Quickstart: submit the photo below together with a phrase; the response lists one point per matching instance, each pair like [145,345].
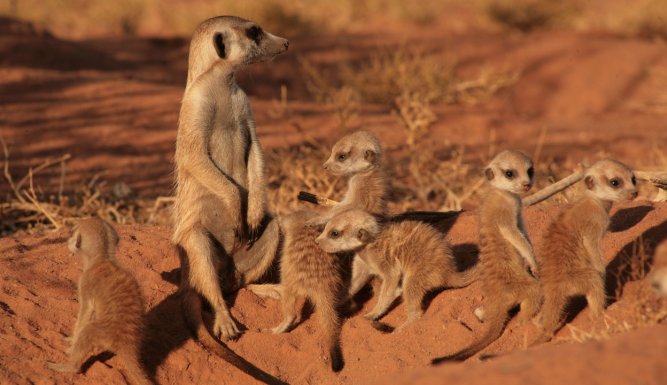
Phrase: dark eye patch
[634,181]
[531,172]
[254,33]
[510,174]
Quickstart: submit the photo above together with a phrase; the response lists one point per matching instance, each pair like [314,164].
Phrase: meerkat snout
[611,180]
[512,171]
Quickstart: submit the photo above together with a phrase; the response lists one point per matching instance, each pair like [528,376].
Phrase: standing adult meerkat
[220,210]
[322,278]
[111,309]
[411,258]
[506,256]
[571,263]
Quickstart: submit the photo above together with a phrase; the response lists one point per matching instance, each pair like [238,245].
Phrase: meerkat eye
[254,33]
[333,234]
[509,174]
[531,172]
[341,156]
[615,182]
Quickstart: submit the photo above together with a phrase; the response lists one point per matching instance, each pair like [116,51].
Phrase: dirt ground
[112,103]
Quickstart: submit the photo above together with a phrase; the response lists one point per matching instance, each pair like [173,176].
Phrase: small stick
[557,187]
[318,200]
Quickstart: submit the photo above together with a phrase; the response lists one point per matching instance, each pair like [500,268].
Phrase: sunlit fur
[411,258]
[571,263]
[111,307]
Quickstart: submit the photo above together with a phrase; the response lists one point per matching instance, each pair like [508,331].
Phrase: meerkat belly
[229,149]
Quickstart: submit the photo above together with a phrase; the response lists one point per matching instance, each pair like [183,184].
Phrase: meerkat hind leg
[253,263]
[386,298]
[288,303]
[198,247]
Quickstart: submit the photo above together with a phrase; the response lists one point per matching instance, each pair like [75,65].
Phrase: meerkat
[571,263]
[357,156]
[506,260]
[111,306]
[659,275]
[307,271]
[220,209]
[411,258]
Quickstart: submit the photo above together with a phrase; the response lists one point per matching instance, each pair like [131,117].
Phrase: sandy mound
[38,305]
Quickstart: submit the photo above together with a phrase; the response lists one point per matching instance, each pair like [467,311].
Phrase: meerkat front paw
[225,328]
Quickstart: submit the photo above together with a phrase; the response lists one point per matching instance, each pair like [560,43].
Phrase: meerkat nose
[634,194]
[286,44]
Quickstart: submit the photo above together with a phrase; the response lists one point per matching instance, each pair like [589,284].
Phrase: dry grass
[29,209]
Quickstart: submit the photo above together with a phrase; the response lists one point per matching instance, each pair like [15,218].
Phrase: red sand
[38,306]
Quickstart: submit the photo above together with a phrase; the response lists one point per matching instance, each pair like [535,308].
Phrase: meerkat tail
[191,308]
[464,278]
[497,325]
[315,199]
[135,368]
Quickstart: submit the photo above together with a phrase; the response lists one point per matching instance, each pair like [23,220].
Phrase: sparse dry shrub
[415,115]
[527,15]
[391,72]
[299,168]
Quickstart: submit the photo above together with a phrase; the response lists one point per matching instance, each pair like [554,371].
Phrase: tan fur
[659,274]
[111,306]
[411,258]
[220,186]
[506,254]
[307,271]
[571,263]
[359,157]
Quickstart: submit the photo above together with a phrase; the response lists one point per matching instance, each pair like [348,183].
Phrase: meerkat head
[232,41]
[349,230]
[511,171]
[93,238]
[356,153]
[611,181]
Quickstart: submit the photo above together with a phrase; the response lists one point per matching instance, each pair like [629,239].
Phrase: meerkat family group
[227,239]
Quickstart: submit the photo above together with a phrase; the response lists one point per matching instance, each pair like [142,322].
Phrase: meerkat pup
[506,257]
[659,275]
[571,263]
[307,271]
[220,184]
[411,258]
[357,156]
[111,308]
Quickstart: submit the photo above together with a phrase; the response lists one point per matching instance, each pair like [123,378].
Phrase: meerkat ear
[370,156]
[219,44]
[77,244]
[489,173]
[364,236]
[590,182]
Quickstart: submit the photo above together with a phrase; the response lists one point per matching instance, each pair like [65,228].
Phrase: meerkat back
[111,305]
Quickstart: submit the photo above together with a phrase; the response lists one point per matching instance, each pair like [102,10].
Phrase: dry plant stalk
[415,115]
